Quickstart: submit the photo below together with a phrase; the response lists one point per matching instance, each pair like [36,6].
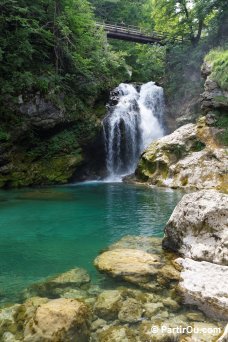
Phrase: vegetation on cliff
[56,68]
[219,63]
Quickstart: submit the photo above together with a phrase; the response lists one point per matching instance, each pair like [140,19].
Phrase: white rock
[206,285]
[198,227]
[201,170]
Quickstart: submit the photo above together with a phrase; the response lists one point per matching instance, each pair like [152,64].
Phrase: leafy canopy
[54,46]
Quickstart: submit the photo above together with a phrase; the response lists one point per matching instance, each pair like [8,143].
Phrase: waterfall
[133,121]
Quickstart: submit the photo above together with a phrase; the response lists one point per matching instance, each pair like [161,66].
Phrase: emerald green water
[50,230]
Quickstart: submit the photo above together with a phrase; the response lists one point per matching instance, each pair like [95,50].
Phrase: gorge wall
[195,155]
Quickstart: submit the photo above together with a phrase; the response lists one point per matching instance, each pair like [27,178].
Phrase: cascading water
[133,121]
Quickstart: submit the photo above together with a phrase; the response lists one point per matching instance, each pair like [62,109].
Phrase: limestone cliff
[44,142]
[195,155]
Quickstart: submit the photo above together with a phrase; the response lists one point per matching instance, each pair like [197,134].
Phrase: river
[51,230]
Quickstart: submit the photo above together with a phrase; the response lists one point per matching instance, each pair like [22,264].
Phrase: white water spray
[131,125]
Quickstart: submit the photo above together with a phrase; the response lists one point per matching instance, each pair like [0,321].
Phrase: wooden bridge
[135,34]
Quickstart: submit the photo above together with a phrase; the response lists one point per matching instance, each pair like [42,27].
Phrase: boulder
[191,157]
[57,321]
[198,227]
[206,285]
[108,304]
[131,311]
[204,169]
[132,265]
[156,160]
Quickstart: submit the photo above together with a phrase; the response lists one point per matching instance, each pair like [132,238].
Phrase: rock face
[190,157]
[42,113]
[198,227]
[213,96]
[132,265]
[205,285]
[59,320]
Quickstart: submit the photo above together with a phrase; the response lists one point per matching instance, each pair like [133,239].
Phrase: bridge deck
[133,34]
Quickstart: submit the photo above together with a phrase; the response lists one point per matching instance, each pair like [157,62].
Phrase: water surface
[50,230]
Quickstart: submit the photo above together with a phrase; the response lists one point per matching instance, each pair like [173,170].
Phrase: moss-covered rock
[190,157]
[56,170]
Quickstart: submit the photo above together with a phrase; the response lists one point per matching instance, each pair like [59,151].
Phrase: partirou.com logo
[179,329]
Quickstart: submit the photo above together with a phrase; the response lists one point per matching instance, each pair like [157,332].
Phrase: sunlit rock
[198,227]
[206,285]
[132,265]
[59,320]
[191,157]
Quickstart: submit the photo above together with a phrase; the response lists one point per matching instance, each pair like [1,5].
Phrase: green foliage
[54,46]
[4,136]
[145,62]
[189,19]
[128,12]
[150,63]
[219,60]
[63,143]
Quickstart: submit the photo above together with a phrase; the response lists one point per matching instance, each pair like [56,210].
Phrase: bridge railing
[130,29]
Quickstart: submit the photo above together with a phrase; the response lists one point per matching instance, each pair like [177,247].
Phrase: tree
[190,19]
[54,46]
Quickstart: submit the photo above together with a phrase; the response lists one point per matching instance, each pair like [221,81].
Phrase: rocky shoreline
[182,284]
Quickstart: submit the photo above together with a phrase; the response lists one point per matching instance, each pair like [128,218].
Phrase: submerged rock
[59,320]
[58,285]
[108,304]
[8,322]
[117,334]
[131,311]
[9,337]
[149,244]
[206,285]
[132,265]
[152,309]
[169,331]
[198,227]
